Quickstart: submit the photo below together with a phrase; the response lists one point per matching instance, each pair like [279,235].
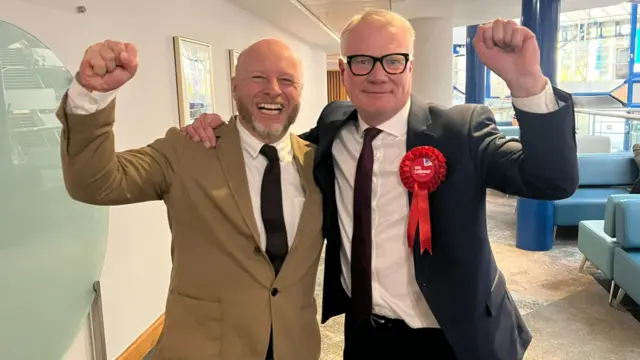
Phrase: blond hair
[378,17]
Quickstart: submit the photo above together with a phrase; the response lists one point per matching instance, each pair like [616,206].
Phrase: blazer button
[257,250]
[274,291]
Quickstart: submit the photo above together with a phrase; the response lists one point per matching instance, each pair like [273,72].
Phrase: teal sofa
[597,238]
[601,175]
[626,257]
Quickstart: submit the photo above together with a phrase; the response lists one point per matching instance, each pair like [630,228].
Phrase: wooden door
[335,90]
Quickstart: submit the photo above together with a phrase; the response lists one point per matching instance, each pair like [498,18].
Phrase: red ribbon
[419,216]
[422,170]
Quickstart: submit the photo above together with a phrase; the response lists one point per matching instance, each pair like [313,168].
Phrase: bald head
[267,87]
[268,50]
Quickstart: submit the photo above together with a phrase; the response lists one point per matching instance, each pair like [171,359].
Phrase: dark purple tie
[361,239]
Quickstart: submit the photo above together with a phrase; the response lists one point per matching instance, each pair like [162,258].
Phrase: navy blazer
[461,282]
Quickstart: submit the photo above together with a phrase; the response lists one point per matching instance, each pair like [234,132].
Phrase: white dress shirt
[394,288]
[292,192]
[81,101]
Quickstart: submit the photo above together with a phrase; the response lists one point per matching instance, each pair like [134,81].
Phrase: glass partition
[51,247]
[594,47]
[622,128]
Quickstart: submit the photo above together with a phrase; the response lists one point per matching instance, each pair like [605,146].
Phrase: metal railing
[617,115]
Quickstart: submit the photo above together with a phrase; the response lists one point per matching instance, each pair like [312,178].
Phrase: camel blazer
[223,297]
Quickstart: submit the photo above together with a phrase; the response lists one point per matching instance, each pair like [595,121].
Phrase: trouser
[270,348]
[384,338]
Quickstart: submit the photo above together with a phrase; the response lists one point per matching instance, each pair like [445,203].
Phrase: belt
[385,322]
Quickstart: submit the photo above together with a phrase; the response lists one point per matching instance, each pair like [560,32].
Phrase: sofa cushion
[596,245]
[626,270]
[609,211]
[627,224]
[607,169]
[584,204]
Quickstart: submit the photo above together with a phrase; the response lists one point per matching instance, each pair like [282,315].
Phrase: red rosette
[422,170]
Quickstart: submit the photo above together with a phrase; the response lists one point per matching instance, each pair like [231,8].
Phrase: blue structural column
[535,225]
[475,71]
[543,18]
[631,75]
[487,83]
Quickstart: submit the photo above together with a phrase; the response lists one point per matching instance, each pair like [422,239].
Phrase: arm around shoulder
[311,135]
[337,109]
[95,173]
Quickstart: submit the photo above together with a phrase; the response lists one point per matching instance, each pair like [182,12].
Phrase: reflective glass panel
[51,247]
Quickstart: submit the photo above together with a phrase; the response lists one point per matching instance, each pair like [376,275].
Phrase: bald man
[245,216]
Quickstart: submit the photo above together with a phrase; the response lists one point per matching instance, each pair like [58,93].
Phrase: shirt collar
[252,145]
[396,126]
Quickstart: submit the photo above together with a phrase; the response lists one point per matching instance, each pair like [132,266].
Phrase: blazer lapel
[303,160]
[418,134]
[306,242]
[230,156]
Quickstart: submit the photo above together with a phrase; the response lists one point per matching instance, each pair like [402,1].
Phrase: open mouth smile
[270,109]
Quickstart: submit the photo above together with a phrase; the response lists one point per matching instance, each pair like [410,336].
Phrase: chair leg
[611,292]
[619,297]
[583,263]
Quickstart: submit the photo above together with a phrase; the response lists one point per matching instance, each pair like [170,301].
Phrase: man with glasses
[432,290]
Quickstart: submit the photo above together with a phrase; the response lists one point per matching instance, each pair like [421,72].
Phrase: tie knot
[270,152]
[371,133]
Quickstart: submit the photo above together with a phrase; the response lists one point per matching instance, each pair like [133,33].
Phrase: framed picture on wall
[194,75]
[233,60]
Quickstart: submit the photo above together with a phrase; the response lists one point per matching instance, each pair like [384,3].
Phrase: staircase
[31,139]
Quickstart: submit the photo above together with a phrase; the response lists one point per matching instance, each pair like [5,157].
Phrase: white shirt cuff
[83,102]
[543,103]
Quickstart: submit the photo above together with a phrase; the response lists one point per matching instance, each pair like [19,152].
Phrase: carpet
[566,311]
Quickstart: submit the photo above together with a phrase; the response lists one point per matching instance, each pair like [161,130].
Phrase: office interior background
[81,282]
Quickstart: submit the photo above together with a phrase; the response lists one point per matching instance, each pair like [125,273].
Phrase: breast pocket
[192,329]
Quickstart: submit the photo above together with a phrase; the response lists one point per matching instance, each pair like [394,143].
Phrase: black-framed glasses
[392,64]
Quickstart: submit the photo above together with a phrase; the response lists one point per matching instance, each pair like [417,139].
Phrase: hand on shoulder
[203,129]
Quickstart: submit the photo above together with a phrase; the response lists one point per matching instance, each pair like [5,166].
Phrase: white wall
[137,266]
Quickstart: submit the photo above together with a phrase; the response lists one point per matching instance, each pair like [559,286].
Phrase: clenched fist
[108,65]
[511,52]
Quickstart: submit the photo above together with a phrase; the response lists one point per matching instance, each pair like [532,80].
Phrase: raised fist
[511,52]
[108,65]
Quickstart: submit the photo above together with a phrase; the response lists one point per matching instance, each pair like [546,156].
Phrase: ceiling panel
[322,20]
[336,13]
[291,16]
